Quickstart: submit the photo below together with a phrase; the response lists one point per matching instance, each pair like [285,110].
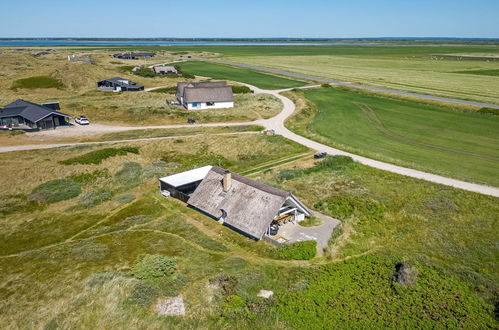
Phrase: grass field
[218,71]
[401,67]
[406,67]
[460,144]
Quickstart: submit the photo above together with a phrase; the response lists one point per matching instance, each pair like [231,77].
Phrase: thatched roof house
[205,95]
[243,204]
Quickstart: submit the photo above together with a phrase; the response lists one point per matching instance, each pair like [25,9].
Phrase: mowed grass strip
[252,77]
[427,137]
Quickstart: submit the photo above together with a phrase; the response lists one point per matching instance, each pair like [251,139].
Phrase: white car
[82,120]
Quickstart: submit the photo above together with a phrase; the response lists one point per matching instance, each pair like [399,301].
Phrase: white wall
[217,105]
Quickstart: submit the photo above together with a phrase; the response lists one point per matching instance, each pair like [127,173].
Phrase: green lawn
[440,140]
[219,71]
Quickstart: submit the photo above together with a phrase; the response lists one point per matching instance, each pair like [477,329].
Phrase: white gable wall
[203,105]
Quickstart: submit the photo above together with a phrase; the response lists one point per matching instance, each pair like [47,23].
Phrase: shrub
[491,111]
[325,85]
[97,156]
[346,205]
[188,75]
[55,191]
[37,82]
[124,198]
[95,197]
[298,251]
[151,267]
[241,89]
[145,72]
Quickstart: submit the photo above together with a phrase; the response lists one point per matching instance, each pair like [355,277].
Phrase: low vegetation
[312,221]
[336,294]
[37,82]
[96,157]
[305,250]
[54,191]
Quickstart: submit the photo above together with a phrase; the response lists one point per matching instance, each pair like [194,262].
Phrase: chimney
[227,181]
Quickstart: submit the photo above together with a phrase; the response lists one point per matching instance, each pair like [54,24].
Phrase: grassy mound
[37,82]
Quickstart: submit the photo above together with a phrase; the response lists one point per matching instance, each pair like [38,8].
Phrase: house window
[210,103]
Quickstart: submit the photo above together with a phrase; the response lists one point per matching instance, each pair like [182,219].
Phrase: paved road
[343,83]
[277,124]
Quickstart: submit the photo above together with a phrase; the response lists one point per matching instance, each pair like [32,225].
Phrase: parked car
[320,155]
[82,120]
[191,120]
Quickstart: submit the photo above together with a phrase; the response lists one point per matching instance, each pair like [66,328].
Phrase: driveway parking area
[321,234]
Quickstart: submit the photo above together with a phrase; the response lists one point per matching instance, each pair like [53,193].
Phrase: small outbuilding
[118,84]
[164,69]
[205,95]
[25,115]
[247,206]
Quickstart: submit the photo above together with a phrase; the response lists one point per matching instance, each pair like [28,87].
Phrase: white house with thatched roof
[247,206]
[205,95]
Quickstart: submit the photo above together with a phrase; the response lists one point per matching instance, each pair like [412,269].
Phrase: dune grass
[252,77]
[74,265]
[460,144]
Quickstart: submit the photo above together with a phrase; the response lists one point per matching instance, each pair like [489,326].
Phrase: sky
[250,18]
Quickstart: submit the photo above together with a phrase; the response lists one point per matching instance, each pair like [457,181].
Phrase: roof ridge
[255,184]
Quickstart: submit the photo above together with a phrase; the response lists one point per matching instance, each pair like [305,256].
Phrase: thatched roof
[205,91]
[249,206]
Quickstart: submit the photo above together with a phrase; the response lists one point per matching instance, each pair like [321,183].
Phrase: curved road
[277,124]
[343,83]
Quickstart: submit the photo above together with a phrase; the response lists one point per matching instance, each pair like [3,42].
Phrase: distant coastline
[68,41]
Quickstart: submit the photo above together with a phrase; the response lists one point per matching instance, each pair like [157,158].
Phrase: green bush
[145,72]
[344,206]
[151,267]
[491,111]
[311,221]
[298,251]
[188,75]
[55,191]
[97,156]
[241,89]
[37,82]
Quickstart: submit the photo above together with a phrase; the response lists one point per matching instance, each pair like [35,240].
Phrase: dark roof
[120,82]
[28,110]
[205,91]
[250,206]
